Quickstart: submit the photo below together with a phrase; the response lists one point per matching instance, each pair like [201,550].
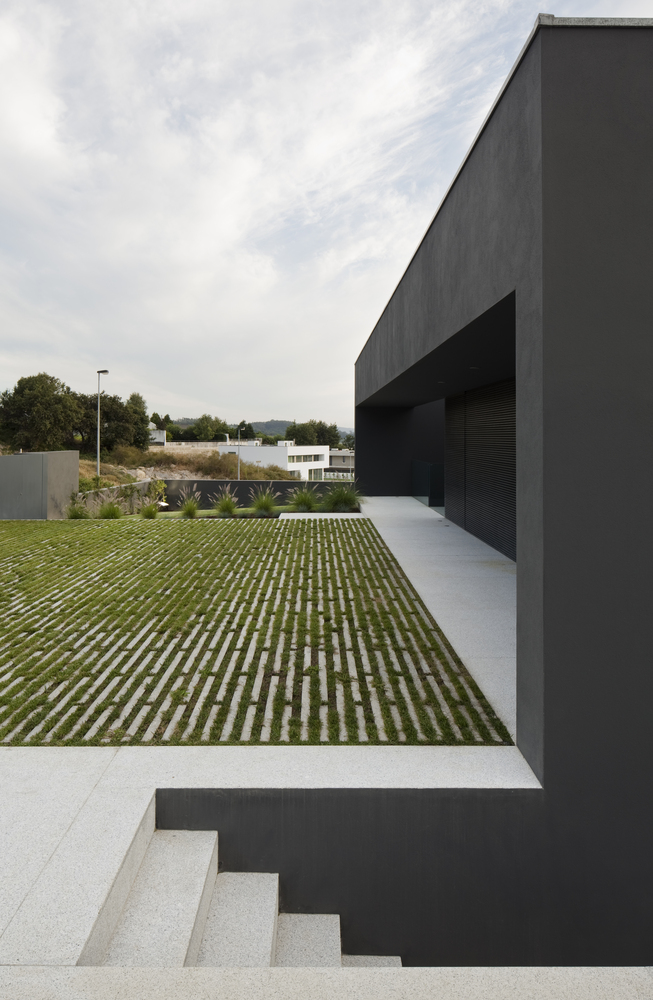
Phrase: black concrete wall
[555,205]
[389,438]
[242,490]
[389,862]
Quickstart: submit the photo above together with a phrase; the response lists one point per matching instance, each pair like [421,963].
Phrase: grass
[256,631]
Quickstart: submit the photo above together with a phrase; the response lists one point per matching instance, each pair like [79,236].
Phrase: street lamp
[101,371]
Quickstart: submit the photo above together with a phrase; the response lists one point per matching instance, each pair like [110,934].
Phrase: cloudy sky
[215,198]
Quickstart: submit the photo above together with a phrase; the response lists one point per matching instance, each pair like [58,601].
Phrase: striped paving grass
[219,631]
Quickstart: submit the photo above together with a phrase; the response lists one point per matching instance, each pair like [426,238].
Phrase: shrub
[263,501]
[225,503]
[156,491]
[110,510]
[127,455]
[130,495]
[88,483]
[304,500]
[77,509]
[341,499]
[190,507]
[149,510]
[190,502]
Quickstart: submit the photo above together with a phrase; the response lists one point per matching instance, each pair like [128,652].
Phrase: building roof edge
[541,21]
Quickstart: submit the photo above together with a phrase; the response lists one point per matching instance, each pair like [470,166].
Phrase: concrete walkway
[469,588]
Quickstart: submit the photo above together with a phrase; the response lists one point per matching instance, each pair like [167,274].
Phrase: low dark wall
[207,488]
[440,877]
[446,876]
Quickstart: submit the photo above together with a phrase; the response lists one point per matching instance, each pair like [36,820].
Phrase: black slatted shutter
[486,452]
[454,459]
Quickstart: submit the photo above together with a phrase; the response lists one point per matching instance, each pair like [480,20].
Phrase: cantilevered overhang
[481,353]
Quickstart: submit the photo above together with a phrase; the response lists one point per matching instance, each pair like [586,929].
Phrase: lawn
[212,631]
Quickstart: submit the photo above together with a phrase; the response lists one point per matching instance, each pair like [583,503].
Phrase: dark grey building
[517,350]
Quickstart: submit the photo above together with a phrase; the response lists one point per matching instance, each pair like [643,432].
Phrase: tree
[302,433]
[205,427]
[39,414]
[247,432]
[314,432]
[348,441]
[327,434]
[137,412]
[161,423]
[120,423]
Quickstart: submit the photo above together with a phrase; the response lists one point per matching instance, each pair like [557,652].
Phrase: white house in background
[156,436]
[341,463]
[303,461]
[312,462]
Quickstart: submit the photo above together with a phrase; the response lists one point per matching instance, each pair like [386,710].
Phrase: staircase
[180,912]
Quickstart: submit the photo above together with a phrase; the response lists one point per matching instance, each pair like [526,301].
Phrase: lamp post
[101,371]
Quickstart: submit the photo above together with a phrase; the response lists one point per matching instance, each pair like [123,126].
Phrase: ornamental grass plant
[77,509]
[263,501]
[190,501]
[225,502]
[110,510]
[303,500]
[341,499]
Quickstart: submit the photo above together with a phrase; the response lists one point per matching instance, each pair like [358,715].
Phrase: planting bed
[210,631]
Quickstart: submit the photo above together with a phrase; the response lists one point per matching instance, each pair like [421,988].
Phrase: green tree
[348,441]
[120,423]
[137,413]
[327,434]
[314,432]
[161,423]
[39,414]
[302,433]
[247,432]
[205,427]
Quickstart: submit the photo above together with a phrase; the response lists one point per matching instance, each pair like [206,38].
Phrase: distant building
[157,437]
[341,463]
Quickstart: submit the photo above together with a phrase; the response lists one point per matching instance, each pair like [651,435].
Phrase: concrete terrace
[83,808]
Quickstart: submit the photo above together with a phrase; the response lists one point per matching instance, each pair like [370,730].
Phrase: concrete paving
[327,984]
[469,588]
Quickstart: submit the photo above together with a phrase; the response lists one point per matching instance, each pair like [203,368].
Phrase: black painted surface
[481,353]
[427,482]
[208,488]
[480,464]
[449,877]
[555,205]
[387,441]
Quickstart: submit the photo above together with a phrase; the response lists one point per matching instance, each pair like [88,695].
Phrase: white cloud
[215,200]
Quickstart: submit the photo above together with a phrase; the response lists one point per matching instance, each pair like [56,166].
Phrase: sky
[215,199]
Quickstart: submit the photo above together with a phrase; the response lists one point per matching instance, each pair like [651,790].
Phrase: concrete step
[70,912]
[371,961]
[308,940]
[241,928]
[164,916]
